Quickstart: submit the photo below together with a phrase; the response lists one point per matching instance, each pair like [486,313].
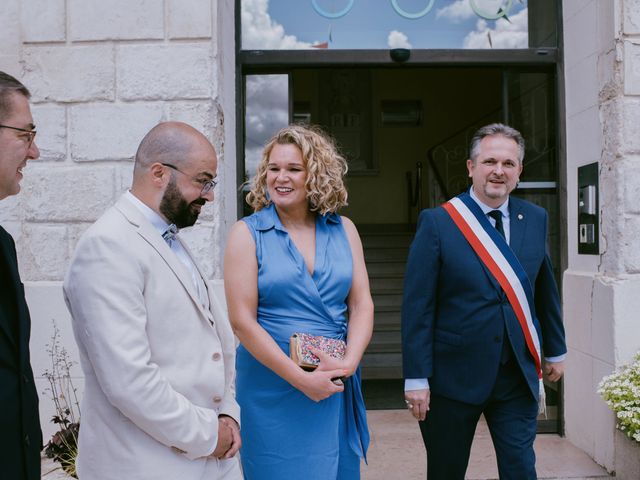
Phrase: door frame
[282,61]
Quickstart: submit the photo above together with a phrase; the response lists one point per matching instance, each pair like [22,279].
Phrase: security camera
[400,55]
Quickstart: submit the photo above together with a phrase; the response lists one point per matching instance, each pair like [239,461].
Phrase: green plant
[621,391]
[63,446]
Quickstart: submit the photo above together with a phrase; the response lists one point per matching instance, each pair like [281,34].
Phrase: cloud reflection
[457,12]
[514,34]
[261,32]
[398,39]
[267,112]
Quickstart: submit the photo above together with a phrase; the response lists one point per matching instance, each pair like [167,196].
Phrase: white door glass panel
[267,111]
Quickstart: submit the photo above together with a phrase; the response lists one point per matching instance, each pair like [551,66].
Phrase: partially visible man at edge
[20,435]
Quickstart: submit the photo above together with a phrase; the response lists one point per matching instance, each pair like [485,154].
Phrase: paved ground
[397,453]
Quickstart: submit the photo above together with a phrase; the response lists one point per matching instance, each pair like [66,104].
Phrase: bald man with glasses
[156,348]
[20,437]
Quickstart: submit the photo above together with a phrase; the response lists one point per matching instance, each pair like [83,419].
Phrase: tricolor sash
[497,256]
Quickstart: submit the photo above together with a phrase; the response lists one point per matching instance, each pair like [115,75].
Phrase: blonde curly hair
[326,168]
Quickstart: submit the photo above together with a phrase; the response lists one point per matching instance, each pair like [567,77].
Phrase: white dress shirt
[161,226]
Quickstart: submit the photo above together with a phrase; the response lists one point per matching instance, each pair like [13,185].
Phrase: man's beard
[176,209]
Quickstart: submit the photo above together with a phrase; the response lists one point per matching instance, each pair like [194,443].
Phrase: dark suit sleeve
[21,437]
[419,302]
[548,309]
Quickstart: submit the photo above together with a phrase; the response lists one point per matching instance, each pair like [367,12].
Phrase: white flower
[621,392]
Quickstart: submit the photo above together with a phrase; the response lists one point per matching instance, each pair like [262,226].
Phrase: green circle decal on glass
[338,14]
[415,15]
[502,11]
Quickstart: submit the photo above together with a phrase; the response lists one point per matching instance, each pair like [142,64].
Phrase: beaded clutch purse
[301,343]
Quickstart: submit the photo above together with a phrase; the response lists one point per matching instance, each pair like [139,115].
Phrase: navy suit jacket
[20,435]
[454,313]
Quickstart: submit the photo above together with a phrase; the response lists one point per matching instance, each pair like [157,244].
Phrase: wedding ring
[408,404]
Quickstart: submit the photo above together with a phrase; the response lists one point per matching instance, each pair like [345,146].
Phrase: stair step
[382,348]
[388,300]
[385,268]
[385,290]
[386,322]
[382,359]
[389,275]
[380,309]
[386,254]
[386,229]
[374,241]
[376,282]
[381,365]
[385,342]
[381,373]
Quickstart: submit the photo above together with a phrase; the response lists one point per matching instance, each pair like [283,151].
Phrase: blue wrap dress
[286,435]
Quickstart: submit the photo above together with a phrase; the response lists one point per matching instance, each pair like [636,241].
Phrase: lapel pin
[520,216]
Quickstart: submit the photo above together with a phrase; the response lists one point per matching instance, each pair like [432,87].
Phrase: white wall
[602,292]
[102,73]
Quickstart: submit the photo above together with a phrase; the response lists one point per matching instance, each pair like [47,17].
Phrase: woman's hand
[327,362]
[318,385]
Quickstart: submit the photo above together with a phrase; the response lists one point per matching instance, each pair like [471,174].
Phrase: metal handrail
[414,194]
[479,121]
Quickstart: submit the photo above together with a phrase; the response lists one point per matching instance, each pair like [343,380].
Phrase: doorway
[405,133]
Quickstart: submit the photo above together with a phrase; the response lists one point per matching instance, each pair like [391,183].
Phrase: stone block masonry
[102,73]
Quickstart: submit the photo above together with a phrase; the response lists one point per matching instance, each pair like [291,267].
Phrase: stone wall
[102,73]
[602,292]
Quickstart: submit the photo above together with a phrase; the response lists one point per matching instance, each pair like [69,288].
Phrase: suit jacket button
[497,339]
[216,356]
[25,379]
[217,399]
[27,442]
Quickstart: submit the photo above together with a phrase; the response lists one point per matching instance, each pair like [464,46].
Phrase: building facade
[103,72]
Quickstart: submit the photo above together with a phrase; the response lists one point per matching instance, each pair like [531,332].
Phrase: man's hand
[236,442]
[418,402]
[554,370]
[225,439]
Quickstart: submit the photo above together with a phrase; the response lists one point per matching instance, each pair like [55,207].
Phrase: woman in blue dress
[295,265]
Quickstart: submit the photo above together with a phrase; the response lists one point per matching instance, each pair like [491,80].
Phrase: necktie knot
[170,234]
[497,216]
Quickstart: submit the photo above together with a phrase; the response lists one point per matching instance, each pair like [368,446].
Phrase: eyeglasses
[30,134]
[207,185]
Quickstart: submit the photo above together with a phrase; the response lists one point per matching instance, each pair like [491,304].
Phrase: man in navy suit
[466,351]
[20,437]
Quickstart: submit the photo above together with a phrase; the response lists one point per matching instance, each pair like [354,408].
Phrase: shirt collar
[268,218]
[154,218]
[504,208]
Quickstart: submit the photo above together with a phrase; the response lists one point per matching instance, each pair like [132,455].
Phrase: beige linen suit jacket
[158,368]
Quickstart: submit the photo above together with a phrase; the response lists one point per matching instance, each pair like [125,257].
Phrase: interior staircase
[385,251]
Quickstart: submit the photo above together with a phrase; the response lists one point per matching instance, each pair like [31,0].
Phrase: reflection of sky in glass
[377,24]
[267,112]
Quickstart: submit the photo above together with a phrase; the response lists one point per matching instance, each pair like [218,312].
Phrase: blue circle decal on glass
[502,11]
[338,14]
[412,16]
